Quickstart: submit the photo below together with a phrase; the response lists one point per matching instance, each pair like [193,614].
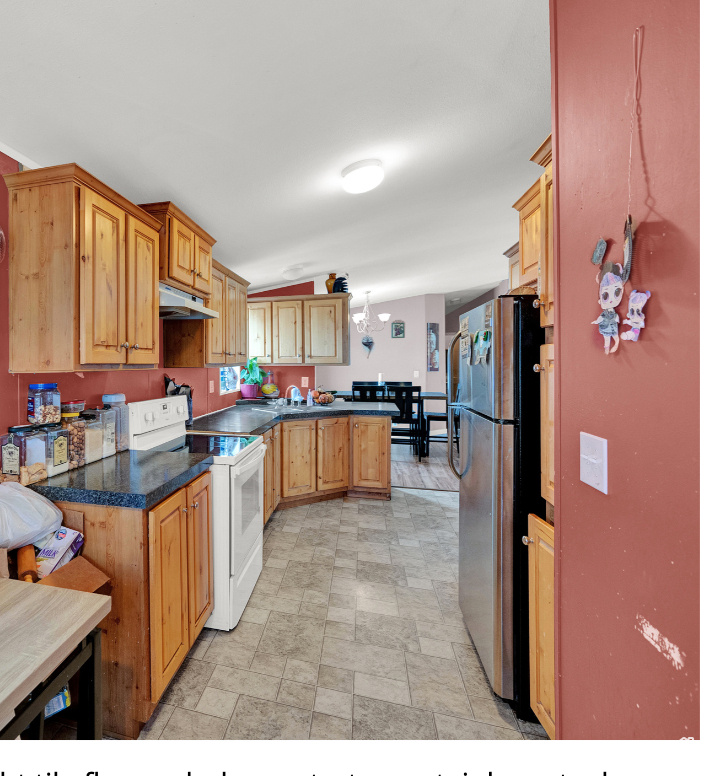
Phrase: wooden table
[43,631]
[347,395]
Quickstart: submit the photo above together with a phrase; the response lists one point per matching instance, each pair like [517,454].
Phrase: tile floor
[353,631]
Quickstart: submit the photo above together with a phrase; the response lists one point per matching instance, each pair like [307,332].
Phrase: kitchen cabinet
[545,272]
[547,372]
[277,465]
[514,272]
[268,474]
[299,458]
[332,454]
[185,249]
[242,339]
[200,575]
[287,332]
[83,269]
[214,341]
[370,452]
[311,329]
[529,207]
[541,622]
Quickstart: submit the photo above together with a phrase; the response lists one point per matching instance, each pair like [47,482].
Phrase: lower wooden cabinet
[541,622]
[371,452]
[200,575]
[332,454]
[299,457]
[277,465]
[268,473]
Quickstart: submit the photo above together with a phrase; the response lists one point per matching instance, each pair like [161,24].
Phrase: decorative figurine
[368,344]
[611,279]
[635,315]
[330,282]
[340,285]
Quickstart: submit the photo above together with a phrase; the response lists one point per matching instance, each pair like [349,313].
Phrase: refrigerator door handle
[450,409]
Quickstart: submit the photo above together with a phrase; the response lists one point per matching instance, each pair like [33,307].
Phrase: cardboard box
[79,574]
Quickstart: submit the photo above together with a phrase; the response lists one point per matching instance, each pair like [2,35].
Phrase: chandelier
[366,322]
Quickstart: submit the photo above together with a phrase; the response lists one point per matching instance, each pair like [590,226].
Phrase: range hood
[179,305]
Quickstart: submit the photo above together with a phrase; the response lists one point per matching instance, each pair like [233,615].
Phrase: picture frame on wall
[433,344]
[398,329]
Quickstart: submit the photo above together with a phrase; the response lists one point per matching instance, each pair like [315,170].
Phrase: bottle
[310,400]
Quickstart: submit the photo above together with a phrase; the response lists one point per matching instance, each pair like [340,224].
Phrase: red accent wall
[290,375]
[137,385]
[633,553]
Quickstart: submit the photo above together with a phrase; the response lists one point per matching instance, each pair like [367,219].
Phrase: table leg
[90,717]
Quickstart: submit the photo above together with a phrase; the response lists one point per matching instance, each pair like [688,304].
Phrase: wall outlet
[305,382]
[416,373]
[211,386]
[593,461]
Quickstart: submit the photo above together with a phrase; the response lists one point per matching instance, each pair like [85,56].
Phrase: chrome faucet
[296,397]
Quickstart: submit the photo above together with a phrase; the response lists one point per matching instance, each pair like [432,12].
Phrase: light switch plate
[211,386]
[416,373]
[593,461]
[305,382]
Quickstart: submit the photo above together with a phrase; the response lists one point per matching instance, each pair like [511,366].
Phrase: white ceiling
[244,114]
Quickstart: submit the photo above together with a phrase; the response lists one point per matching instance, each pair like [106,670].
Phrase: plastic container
[108,418]
[72,406]
[93,436]
[57,448]
[43,403]
[116,401]
[76,426]
[23,455]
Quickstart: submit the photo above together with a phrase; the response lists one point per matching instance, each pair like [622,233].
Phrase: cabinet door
[181,263]
[548,475]
[545,274]
[323,331]
[541,623]
[268,477]
[259,338]
[529,207]
[231,315]
[102,299]
[277,465]
[242,331]
[332,453]
[299,459]
[217,328]
[287,332]
[169,606]
[202,265]
[370,452]
[199,554]
[143,303]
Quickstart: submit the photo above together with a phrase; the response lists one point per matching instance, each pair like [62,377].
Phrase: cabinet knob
[356,425]
[184,509]
[195,505]
[539,368]
[194,272]
[538,303]
[125,345]
[136,347]
[526,540]
[199,275]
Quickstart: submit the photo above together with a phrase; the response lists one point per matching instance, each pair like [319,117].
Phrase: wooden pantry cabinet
[83,275]
[185,249]
[211,342]
[312,329]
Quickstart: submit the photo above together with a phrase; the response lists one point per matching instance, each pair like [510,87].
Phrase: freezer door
[487,375]
[486,550]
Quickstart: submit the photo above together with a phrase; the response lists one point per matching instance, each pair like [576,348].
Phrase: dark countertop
[133,479]
[257,417]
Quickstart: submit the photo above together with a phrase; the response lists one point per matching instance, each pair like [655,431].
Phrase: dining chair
[367,391]
[431,417]
[406,427]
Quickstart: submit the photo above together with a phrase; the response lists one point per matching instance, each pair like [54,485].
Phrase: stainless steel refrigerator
[496,403]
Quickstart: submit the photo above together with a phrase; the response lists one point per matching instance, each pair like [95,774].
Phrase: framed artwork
[398,329]
[433,347]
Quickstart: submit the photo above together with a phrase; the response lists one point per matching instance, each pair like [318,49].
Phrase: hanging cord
[637,41]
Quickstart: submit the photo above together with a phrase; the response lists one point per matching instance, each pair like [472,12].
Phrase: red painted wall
[137,385]
[633,553]
[290,375]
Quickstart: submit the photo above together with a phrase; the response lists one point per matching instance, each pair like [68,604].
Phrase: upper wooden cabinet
[83,270]
[514,274]
[212,341]
[185,249]
[311,329]
[529,207]
[545,271]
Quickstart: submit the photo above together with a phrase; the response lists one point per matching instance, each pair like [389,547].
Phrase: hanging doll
[635,315]
[611,279]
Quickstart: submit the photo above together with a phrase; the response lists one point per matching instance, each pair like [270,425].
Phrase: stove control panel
[149,418]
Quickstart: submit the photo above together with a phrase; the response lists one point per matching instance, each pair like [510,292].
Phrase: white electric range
[159,425]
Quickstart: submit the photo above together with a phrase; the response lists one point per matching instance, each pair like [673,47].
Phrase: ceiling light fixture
[362,176]
[366,322]
[292,273]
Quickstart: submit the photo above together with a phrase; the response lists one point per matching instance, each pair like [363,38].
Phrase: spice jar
[93,436]
[108,418]
[43,403]
[23,455]
[116,401]
[57,448]
[76,426]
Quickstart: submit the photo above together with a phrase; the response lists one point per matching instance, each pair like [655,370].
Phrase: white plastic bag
[25,516]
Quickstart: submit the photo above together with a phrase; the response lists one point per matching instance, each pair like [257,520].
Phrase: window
[229,379]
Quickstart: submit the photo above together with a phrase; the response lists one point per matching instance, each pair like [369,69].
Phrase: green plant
[252,374]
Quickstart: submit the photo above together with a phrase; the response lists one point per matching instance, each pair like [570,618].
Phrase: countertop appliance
[237,497]
[497,399]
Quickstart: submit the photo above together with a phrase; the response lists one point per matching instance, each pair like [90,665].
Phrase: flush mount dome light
[293,272]
[362,176]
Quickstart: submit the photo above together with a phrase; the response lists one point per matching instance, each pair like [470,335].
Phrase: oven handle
[254,459]
[253,462]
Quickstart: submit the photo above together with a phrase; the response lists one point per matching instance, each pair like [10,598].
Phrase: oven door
[246,506]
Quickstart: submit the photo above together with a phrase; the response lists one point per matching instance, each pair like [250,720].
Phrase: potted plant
[251,379]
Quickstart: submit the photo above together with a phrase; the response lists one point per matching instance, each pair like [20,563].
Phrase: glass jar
[76,426]
[57,448]
[93,436]
[116,401]
[108,418]
[43,403]
[23,455]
